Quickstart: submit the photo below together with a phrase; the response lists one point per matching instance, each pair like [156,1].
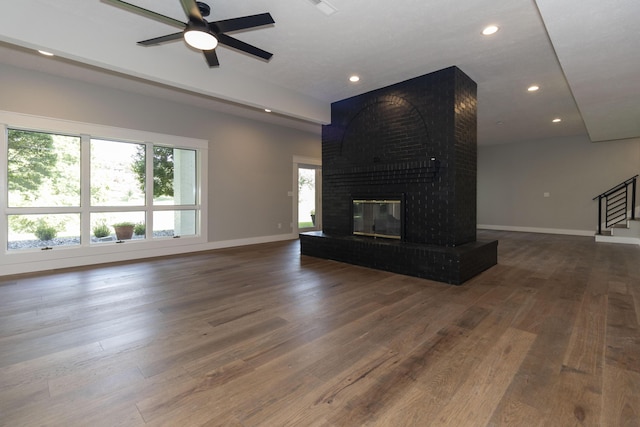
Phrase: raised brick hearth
[414,141]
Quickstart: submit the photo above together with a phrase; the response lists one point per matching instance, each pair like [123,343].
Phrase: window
[117,172]
[43,183]
[65,185]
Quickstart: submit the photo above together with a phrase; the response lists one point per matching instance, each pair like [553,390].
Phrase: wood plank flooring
[261,336]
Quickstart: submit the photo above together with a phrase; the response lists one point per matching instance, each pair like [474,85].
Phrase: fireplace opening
[378,218]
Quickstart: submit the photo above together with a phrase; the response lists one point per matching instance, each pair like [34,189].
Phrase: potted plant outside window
[124,230]
[139,229]
[101,230]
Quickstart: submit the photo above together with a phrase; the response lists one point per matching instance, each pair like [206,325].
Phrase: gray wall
[250,162]
[513,178]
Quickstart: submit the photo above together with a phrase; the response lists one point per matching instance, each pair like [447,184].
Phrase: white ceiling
[582,54]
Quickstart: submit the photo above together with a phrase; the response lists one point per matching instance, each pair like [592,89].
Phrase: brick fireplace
[413,142]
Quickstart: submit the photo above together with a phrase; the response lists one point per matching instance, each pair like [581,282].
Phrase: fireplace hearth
[399,181]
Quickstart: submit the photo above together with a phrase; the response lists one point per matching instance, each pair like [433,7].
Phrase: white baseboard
[250,241]
[569,232]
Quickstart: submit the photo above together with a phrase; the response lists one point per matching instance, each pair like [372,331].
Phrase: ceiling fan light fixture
[199,37]
[204,36]
[491,29]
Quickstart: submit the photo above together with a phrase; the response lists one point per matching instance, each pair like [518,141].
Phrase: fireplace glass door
[377,218]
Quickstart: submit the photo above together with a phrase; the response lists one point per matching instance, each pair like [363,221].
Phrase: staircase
[622,233]
[619,223]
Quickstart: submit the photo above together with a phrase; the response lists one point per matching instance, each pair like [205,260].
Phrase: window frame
[85,252]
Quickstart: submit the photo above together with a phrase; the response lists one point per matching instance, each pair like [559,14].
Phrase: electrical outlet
[279,225]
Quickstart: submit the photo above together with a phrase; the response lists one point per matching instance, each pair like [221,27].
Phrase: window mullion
[148,190]
[4,187]
[85,190]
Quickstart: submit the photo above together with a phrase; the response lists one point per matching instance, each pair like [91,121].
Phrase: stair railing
[616,202]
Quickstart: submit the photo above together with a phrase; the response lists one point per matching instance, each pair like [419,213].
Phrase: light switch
[547,194]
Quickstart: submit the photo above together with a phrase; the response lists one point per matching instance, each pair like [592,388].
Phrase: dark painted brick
[381,143]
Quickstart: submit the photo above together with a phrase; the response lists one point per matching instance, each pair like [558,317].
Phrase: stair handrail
[623,185]
[616,188]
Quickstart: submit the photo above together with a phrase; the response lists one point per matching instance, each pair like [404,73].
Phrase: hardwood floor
[260,336]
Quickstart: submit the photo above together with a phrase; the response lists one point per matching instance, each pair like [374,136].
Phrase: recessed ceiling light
[324,6]
[45,53]
[266,110]
[491,29]
[354,79]
[533,88]
[557,120]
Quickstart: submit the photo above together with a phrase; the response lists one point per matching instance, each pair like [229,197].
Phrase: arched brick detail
[386,129]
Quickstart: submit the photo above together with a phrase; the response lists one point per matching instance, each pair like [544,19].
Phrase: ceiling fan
[203,35]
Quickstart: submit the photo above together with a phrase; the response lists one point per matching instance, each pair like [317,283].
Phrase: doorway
[308,200]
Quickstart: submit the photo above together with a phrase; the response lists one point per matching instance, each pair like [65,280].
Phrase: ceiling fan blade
[162,39]
[235,24]
[244,47]
[146,13]
[211,57]
[191,10]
